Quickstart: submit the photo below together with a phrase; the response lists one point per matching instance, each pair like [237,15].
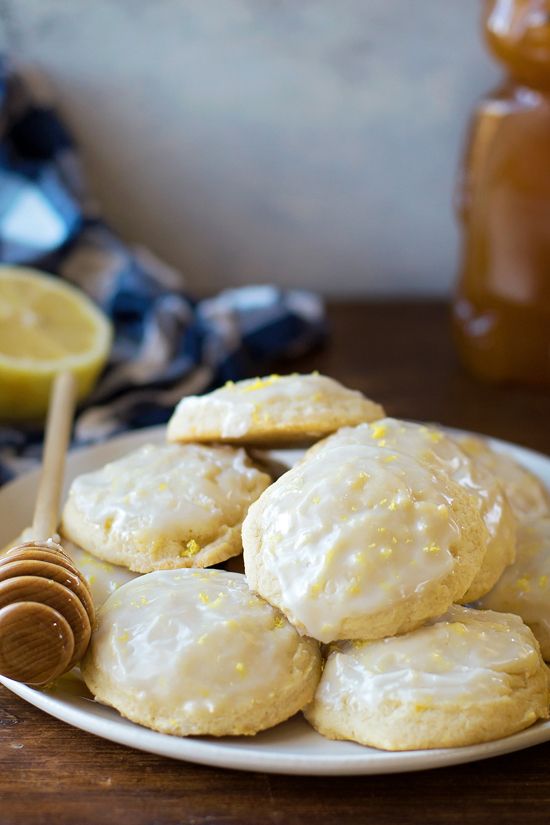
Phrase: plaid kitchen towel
[166,344]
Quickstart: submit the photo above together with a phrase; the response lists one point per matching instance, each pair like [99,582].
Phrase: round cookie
[525,586]
[431,445]
[195,652]
[526,493]
[277,409]
[163,507]
[469,677]
[362,543]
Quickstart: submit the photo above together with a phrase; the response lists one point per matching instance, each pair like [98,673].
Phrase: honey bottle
[501,309]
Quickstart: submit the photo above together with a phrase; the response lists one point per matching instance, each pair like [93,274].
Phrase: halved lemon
[46,326]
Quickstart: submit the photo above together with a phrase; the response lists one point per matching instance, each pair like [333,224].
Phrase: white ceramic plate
[293,747]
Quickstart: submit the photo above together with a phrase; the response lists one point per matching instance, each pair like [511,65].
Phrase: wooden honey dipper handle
[46,609]
[58,431]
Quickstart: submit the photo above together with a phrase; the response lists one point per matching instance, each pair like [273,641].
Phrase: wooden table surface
[401,355]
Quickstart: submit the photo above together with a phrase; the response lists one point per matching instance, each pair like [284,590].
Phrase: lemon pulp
[46,326]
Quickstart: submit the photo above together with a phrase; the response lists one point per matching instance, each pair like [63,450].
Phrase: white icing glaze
[524,588]
[464,657]
[424,442]
[429,444]
[353,531]
[194,641]
[527,495]
[237,408]
[170,490]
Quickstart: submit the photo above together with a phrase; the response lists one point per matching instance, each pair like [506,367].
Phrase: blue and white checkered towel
[166,344]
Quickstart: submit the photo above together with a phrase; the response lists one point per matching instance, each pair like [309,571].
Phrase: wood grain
[36,642]
[51,773]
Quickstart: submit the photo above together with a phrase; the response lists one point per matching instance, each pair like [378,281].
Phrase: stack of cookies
[358,564]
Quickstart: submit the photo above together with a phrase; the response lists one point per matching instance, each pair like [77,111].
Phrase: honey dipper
[46,608]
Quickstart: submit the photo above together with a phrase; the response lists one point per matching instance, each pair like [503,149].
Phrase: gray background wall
[309,142]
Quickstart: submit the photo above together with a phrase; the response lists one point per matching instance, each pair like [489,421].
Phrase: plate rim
[216,753]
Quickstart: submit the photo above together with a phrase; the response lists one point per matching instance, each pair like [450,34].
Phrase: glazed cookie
[469,677]
[429,444]
[195,652]
[272,410]
[526,493]
[525,587]
[164,506]
[362,543]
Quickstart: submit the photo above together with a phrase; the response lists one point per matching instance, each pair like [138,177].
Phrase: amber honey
[502,303]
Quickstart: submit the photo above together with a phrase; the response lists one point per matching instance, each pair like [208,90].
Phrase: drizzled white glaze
[273,401]
[429,444]
[464,657]
[194,642]
[424,442]
[527,495]
[168,491]
[349,532]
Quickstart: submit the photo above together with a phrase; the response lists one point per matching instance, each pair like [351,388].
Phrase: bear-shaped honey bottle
[501,310]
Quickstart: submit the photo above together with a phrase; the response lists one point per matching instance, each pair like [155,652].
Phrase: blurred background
[308,143]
